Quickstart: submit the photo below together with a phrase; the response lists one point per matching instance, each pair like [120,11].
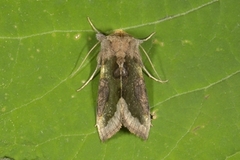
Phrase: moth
[122,97]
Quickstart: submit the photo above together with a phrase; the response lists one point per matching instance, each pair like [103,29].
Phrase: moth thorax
[120,61]
[120,54]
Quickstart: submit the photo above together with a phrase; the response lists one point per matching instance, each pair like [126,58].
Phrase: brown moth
[122,97]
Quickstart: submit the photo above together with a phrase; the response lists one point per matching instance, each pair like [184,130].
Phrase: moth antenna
[74,73]
[146,71]
[148,37]
[92,25]
[91,77]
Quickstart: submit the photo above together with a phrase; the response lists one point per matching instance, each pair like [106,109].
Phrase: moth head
[120,32]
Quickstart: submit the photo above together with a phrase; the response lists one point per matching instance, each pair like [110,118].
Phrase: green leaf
[196,47]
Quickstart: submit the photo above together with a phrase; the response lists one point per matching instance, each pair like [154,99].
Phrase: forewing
[136,114]
[108,118]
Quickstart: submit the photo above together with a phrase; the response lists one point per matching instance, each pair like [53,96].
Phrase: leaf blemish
[77,36]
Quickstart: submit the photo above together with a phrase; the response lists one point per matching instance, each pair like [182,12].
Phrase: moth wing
[135,107]
[108,116]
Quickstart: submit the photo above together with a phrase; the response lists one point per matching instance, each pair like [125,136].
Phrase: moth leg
[94,73]
[151,76]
